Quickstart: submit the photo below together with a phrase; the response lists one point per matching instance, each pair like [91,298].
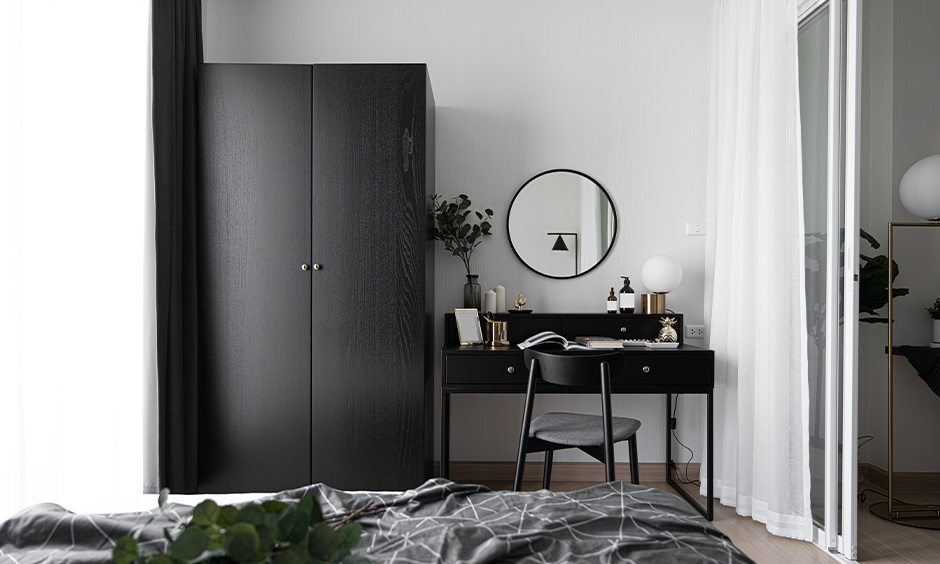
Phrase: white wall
[901,124]
[616,89]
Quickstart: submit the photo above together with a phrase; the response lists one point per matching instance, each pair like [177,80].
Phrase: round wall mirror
[562,223]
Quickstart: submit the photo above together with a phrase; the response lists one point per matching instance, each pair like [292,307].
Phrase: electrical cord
[862,497]
[687,481]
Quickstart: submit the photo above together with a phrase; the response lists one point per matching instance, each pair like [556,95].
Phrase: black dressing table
[479,369]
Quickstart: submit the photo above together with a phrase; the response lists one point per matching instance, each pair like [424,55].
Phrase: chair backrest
[574,368]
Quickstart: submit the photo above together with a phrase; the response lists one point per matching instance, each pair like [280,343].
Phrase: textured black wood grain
[370,304]
[254,424]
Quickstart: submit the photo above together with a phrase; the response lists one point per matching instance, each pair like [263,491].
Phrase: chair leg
[634,461]
[547,474]
[520,469]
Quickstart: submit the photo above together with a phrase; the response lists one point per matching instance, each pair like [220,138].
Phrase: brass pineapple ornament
[667,334]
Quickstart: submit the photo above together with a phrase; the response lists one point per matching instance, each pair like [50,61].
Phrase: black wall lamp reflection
[561,246]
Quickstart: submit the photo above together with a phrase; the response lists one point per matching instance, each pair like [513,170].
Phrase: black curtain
[177,54]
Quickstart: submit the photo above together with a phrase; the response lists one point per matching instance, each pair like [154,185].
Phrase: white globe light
[661,274]
[920,188]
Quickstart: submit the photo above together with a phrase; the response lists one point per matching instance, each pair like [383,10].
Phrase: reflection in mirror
[562,223]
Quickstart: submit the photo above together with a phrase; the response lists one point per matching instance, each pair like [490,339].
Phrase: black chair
[593,434]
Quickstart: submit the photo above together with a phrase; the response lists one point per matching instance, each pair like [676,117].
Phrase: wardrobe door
[254,299]
[368,303]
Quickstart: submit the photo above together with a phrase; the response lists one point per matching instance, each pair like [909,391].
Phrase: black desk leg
[710,451]
[668,438]
[707,512]
[445,433]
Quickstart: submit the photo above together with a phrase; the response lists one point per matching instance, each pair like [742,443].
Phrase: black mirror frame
[612,207]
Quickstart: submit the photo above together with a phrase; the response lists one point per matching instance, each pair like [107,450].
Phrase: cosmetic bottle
[612,302]
[627,297]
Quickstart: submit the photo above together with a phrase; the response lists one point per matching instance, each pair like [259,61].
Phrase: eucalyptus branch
[452,225]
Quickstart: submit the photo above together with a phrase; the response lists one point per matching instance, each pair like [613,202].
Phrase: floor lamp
[561,246]
[920,194]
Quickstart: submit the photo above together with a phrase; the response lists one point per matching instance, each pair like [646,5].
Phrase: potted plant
[934,312]
[461,234]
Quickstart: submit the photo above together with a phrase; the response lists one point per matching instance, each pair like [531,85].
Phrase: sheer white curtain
[755,300]
[72,251]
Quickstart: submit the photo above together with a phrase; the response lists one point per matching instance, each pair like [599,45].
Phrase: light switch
[694,228]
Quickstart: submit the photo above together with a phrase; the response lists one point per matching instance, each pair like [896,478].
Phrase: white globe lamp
[920,188]
[661,274]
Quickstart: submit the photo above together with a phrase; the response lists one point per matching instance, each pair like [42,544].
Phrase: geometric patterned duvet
[437,522]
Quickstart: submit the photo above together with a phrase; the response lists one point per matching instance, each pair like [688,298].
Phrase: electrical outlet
[694,331]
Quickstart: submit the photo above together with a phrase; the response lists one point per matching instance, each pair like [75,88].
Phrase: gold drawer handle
[510,370]
[623,329]
[646,369]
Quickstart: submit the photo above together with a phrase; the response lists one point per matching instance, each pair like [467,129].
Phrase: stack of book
[599,342]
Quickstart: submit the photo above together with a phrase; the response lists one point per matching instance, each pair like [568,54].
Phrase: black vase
[471,292]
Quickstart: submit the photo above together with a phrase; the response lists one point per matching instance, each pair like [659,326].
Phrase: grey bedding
[438,522]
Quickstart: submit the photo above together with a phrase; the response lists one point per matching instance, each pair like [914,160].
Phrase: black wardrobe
[316,287]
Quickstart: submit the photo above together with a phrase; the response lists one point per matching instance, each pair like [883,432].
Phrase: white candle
[500,298]
[489,301]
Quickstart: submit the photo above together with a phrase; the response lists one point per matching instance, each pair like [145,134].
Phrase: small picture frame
[468,326]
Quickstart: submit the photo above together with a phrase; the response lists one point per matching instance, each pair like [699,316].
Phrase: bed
[440,521]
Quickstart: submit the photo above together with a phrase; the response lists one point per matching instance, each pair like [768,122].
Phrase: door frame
[841,361]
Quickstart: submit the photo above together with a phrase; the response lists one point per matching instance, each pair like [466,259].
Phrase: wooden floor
[884,542]
[748,535]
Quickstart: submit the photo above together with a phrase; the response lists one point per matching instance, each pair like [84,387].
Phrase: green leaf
[267,539]
[252,514]
[871,240]
[485,225]
[274,506]
[242,542]
[161,499]
[190,544]
[323,541]
[479,215]
[464,204]
[289,557]
[311,507]
[206,513]
[125,551]
[464,230]
[349,534]
[464,197]
[489,212]
[216,540]
[293,526]
[227,516]
[163,559]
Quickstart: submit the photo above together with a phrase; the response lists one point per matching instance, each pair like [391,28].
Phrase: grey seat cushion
[578,429]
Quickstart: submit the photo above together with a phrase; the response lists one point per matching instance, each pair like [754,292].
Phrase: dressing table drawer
[625,326]
[483,368]
[685,368]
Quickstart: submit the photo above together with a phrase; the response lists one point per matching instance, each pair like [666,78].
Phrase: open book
[551,337]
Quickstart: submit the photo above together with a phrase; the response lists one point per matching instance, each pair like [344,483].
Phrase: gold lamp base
[907,514]
[653,303]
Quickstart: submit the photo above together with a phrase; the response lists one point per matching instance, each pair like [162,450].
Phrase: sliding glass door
[828,53]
